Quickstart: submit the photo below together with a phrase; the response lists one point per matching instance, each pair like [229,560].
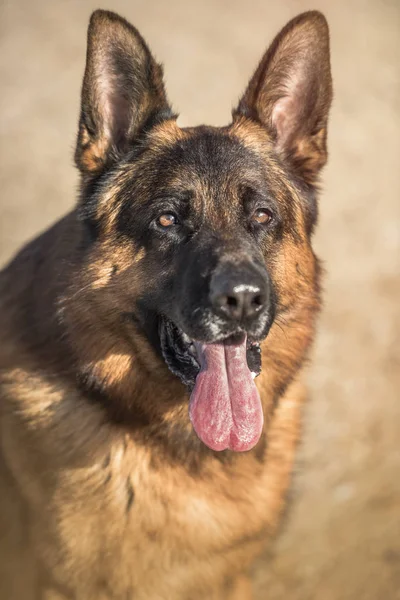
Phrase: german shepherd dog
[152,341]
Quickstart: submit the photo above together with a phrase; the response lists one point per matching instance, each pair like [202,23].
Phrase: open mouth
[225,406]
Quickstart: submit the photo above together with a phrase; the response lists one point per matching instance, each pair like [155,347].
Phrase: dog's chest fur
[103,516]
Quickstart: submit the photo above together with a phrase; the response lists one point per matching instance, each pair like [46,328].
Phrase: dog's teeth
[186,338]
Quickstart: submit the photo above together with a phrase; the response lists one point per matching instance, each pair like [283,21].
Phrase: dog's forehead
[207,162]
[207,158]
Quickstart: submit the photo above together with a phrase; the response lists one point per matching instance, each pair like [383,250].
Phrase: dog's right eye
[167,220]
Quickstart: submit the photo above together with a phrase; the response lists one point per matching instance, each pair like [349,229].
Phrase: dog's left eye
[262,216]
[167,220]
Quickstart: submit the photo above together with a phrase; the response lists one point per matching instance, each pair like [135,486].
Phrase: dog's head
[202,236]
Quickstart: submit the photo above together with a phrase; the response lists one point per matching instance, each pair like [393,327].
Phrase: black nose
[238,294]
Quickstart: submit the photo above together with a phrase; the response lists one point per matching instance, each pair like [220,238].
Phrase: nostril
[257,301]
[231,301]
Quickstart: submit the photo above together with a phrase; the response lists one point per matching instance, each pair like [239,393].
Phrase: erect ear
[291,91]
[122,93]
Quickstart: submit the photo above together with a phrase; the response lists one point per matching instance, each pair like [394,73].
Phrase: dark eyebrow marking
[175,194]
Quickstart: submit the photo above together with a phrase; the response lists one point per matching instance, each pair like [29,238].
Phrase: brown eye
[262,216]
[167,220]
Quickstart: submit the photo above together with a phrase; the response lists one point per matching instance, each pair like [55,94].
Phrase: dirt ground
[341,539]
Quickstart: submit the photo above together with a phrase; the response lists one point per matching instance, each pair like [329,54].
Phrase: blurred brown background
[341,539]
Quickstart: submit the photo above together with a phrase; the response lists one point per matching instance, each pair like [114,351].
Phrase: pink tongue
[225,407]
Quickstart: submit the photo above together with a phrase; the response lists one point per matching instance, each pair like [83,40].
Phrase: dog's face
[203,234]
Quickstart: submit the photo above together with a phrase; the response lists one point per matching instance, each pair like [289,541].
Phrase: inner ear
[290,93]
[122,93]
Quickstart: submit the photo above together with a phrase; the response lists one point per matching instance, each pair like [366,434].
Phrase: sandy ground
[341,539]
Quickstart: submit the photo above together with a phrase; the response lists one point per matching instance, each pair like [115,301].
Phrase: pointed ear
[291,91]
[122,93]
